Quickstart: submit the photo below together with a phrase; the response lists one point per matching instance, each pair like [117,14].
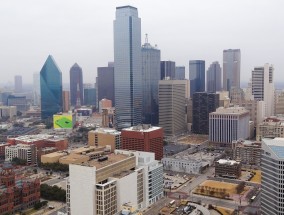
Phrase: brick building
[17,195]
[143,138]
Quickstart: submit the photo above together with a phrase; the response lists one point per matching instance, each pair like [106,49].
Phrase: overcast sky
[82,31]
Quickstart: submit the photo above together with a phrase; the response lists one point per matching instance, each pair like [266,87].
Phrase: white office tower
[103,186]
[263,87]
[272,185]
[127,67]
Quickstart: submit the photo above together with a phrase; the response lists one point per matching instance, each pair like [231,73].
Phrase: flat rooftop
[228,162]
[106,131]
[38,137]
[112,159]
[276,145]
[142,128]
[193,139]
[87,149]
[55,154]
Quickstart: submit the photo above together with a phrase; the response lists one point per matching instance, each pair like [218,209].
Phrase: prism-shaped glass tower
[50,88]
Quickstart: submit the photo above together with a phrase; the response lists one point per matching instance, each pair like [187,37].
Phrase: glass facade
[196,76]
[214,78]
[180,73]
[151,58]
[90,96]
[231,69]
[127,67]
[168,70]
[50,88]
[76,85]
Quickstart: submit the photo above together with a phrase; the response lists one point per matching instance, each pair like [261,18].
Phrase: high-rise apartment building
[18,84]
[106,83]
[111,181]
[231,69]
[127,67]
[196,76]
[263,87]
[76,85]
[50,88]
[214,76]
[180,73]
[272,165]
[151,57]
[36,89]
[168,70]
[143,138]
[228,124]
[22,151]
[202,104]
[173,95]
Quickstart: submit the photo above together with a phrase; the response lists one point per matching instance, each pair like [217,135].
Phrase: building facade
[196,76]
[202,104]
[272,165]
[228,124]
[151,57]
[168,70]
[173,95]
[213,78]
[76,86]
[180,73]
[143,138]
[106,83]
[18,88]
[231,69]
[66,101]
[50,89]
[127,67]
[228,169]
[19,101]
[271,127]
[36,89]
[22,151]
[263,87]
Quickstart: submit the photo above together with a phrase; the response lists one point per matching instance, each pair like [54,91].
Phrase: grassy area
[257,177]
[30,211]
[225,211]
[227,187]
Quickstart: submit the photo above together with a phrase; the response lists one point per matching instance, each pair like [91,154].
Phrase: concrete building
[168,70]
[108,117]
[271,127]
[272,165]
[104,103]
[8,111]
[105,137]
[213,78]
[279,104]
[22,151]
[66,100]
[224,99]
[18,87]
[231,69]
[143,138]
[19,101]
[203,103]
[106,183]
[2,150]
[247,152]
[263,87]
[228,124]
[173,95]
[228,168]
[127,67]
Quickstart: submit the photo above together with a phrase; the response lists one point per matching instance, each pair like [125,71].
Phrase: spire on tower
[146,38]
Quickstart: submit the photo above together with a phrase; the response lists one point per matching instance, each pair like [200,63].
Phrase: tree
[53,193]
[19,161]
[240,187]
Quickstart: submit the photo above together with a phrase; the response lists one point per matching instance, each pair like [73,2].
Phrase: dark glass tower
[127,67]
[76,85]
[196,76]
[50,89]
[214,78]
[168,70]
[202,104]
[151,57]
[106,83]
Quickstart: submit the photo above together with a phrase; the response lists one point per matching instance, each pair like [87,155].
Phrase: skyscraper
[196,76]
[263,87]
[172,103]
[214,78]
[127,67]
[106,83]
[151,57]
[231,69]
[76,85]
[168,70]
[202,104]
[36,89]
[50,88]
[180,73]
[18,84]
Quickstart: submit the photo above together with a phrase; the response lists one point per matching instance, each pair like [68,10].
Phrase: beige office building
[270,128]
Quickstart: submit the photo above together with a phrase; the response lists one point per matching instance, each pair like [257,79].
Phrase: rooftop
[276,145]
[231,110]
[37,137]
[228,162]
[142,128]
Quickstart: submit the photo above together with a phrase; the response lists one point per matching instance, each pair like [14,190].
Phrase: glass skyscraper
[151,57]
[231,69]
[50,89]
[214,77]
[196,76]
[76,85]
[127,67]
[168,70]
[180,73]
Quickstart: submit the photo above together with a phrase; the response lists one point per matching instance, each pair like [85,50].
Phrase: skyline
[83,34]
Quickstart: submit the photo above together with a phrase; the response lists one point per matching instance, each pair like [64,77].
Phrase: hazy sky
[82,31]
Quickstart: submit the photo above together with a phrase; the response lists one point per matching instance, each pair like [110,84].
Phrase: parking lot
[173,181]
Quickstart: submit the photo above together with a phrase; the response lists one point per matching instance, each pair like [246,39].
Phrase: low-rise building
[271,127]
[2,150]
[8,111]
[247,152]
[228,168]
[22,151]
